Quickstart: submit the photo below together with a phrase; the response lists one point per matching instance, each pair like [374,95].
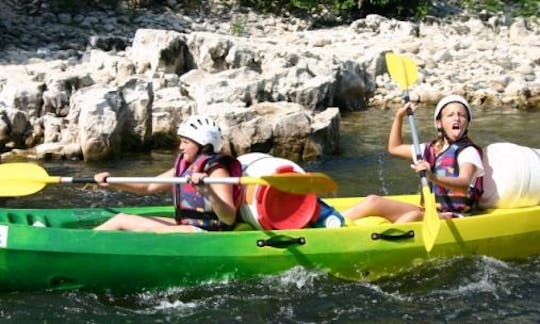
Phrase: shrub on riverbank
[526,8]
[401,9]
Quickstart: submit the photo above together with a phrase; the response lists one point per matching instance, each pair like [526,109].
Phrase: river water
[457,290]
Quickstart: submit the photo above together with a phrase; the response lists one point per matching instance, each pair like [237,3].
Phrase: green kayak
[56,249]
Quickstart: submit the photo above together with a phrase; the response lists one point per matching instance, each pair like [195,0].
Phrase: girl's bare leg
[394,211]
[135,223]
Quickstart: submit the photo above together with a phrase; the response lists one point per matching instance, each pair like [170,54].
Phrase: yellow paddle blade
[431,222]
[22,179]
[402,69]
[296,183]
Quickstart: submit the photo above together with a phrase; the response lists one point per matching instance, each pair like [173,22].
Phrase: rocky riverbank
[92,85]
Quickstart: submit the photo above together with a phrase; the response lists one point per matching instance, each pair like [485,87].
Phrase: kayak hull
[67,254]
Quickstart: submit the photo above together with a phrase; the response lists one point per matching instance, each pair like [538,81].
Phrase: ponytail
[439,141]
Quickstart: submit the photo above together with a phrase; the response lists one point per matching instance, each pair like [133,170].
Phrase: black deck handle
[392,235]
[281,241]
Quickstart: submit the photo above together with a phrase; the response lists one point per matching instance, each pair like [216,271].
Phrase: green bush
[417,9]
[390,8]
[337,5]
[401,9]
[515,8]
[238,26]
[411,9]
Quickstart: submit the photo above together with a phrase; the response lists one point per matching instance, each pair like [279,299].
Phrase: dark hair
[206,149]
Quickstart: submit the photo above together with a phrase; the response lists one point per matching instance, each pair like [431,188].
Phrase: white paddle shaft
[224,180]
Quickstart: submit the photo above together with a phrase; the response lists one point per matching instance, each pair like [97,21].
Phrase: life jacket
[446,164]
[192,208]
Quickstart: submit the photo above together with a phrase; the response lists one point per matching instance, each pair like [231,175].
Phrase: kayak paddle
[404,72]
[21,179]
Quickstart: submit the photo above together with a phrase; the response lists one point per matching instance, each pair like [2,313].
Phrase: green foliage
[238,26]
[308,6]
[527,8]
[400,9]
[304,4]
[530,8]
[423,9]
[489,5]
[515,8]
[346,5]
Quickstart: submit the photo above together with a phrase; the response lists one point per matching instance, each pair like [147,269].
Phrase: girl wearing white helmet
[452,162]
[199,206]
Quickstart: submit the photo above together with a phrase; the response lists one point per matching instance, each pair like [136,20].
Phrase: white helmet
[449,99]
[202,130]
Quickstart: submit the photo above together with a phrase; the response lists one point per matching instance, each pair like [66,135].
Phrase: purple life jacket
[192,208]
[446,164]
